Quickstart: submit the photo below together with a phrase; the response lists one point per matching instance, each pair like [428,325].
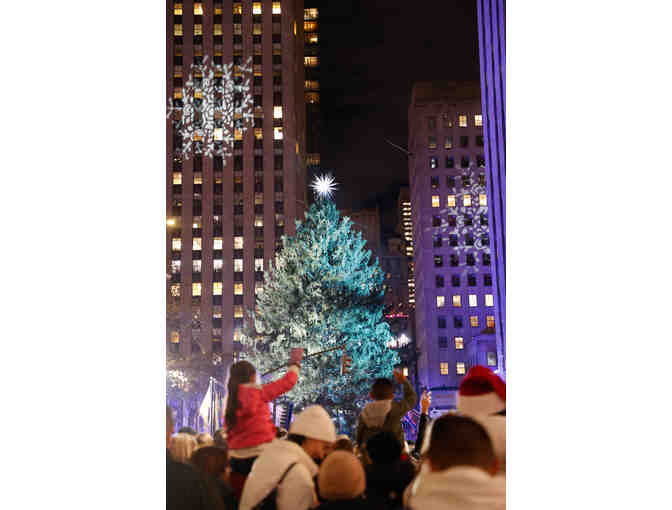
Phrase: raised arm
[410,398]
[274,389]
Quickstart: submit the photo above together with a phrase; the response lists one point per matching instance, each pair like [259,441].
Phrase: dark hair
[382,389]
[239,373]
[187,430]
[384,448]
[459,441]
[220,439]
[296,438]
[343,444]
[210,460]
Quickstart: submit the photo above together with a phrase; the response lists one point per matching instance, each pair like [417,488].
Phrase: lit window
[448,143]
[431,142]
[312,97]
[309,14]
[310,26]
[450,201]
[198,9]
[473,300]
[310,61]
[175,337]
[258,264]
[258,221]
[460,368]
[177,29]
[489,300]
[198,178]
[473,320]
[295,28]
[196,245]
[277,112]
[310,38]
[467,200]
[238,289]
[196,289]
[175,266]
[217,288]
[177,9]
[277,133]
[197,222]
[443,368]
[436,201]
[196,266]
[457,301]
[258,133]
[440,301]
[238,265]
[237,29]
[462,121]
[478,120]
[276,8]
[405,371]
[256,7]
[218,244]
[175,290]
[459,342]
[433,162]
[238,134]
[258,199]
[198,29]
[258,287]
[492,359]
[237,8]
[490,321]
[218,264]
[482,199]
[238,243]
[256,29]
[177,177]
[238,312]
[312,85]
[218,29]
[177,244]
[219,134]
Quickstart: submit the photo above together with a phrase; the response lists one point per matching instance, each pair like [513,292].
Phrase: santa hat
[481,392]
[314,422]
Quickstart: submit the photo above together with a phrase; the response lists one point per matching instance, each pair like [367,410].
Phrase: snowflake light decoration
[324,185]
[213,108]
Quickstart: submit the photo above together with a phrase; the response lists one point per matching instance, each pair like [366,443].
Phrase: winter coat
[185,489]
[385,484]
[297,490]
[346,504]
[385,415]
[461,487]
[253,417]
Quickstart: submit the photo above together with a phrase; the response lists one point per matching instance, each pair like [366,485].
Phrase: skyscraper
[492,52]
[405,228]
[226,215]
[311,59]
[454,313]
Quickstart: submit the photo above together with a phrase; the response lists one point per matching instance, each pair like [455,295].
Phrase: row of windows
[455,280]
[451,181]
[465,161]
[462,120]
[469,240]
[474,323]
[217,288]
[217,265]
[458,321]
[455,259]
[460,368]
[257,8]
[457,300]
[467,220]
[448,142]
[467,200]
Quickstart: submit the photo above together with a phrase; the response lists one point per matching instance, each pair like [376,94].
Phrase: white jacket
[462,487]
[297,490]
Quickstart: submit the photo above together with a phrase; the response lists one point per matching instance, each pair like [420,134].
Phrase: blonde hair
[182,446]
[205,439]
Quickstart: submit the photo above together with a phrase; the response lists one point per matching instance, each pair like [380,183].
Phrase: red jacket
[253,418]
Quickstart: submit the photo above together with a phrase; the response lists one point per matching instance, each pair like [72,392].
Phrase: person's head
[314,431]
[187,430]
[170,425]
[341,477]
[382,389]
[182,446]
[460,441]
[211,460]
[241,372]
[384,448]
[220,439]
[481,393]
[343,443]
[205,439]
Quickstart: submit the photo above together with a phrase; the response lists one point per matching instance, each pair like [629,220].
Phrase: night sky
[371,52]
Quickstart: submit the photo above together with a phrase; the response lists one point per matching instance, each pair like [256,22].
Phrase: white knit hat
[314,422]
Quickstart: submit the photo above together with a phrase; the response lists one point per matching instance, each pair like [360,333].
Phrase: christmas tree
[324,290]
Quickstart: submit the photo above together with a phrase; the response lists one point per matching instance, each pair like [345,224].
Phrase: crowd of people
[457,462]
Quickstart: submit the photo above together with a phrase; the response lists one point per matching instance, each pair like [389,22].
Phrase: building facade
[454,281]
[311,28]
[226,215]
[405,229]
[492,53]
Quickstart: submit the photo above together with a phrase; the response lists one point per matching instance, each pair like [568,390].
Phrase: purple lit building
[492,53]
[454,281]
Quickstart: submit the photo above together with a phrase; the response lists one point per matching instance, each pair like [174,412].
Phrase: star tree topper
[324,185]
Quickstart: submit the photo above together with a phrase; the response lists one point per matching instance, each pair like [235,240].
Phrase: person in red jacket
[248,418]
